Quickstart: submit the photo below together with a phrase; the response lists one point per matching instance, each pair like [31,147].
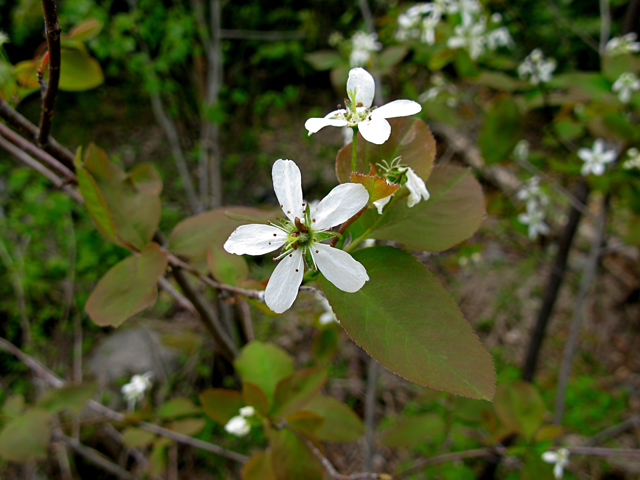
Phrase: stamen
[317,251]
[281,206]
[269,243]
[288,211]
[296,269]
[291,254]
[314,220]
[275,235]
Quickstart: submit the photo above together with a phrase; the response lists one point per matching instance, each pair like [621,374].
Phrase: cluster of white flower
[560,459]
[535,200]
[623,45]
[625,85]
[440,86]
[362,46]
[634,159]
[134,390]
[238,425]
[536,68]
[596,158]
[420,21]
[395,172]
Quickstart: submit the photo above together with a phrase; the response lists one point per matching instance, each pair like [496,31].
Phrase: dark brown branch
[38,153]
[52,29]
[260,35]
[57,382]
[30,132]
[450,457]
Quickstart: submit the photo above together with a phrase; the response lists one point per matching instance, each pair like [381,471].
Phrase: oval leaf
[135,437]
[520,407]
[259,467]
[26,437]
[73,397]
[341,424]
[178,407]
[79,71]
[255,397]
[128,287]
[405,320]
[414,430]
[295,391]
[292,459]
[221,404]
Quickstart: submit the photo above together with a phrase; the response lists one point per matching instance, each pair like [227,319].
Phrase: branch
[52,29]
[450,457]
[369,411]
[605,452]
[613,431]
[605,25]
[30,131]
[93,456]
[56,382]
[260,35]
[31,162]
[576,321]
[331,470]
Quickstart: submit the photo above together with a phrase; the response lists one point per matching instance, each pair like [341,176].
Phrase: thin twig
[260,35]
[576,321]
[93,456]
[177,296]
[605,452]
[613,431]
[247,325]
[30,132]
[331,470]
[605,25]
[52,29]
[369,412]
[31,162]
[38,153]
[109,414]
[450,457]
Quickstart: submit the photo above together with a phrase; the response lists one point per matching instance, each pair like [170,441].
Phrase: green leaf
[136,437]
[452,214]
[26,437]
[13,406]
[259,467]
[255,397]
[305,422]
[132,200]
[414,430]
[341,424]
[583,86]
[295,391]
[410,138]
[264,365]
[292,459]
[390,57]
[323,59]
[187,426]
[226,267]
[520,407]
[73,397]
[86,30]
[79,71]
[178,407]
[614,66]
[501,131]
[405,320]
[128,287]
[499,81]
[158,457]
[220,404]
[325,345]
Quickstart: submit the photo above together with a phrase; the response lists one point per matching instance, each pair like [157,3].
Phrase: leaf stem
[362,237]
[354,148]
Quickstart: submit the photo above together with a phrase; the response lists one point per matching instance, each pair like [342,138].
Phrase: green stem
[353,149]
[362,237]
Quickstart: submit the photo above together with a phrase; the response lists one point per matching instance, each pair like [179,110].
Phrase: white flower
[301,236]
[534,218]
[4,38]
[596,158]
[532,194]
[560,458]
[238,426]
[521,150]
[500,37]
[536,67]
[327,316]
[371,122]
[634,159]
[247,411]
[625,85]
[417,190]
[496,18]
[362,45]
[134,390]
[470,36]
[623,45]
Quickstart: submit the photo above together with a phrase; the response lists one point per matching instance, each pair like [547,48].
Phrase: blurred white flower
[595,159]
[421,20]
[134,390]
[625,85]
[248,411]
[335,39]
[634,159]
[4,38]
[469,36]
[521,150]
[440,85]
[500,37]
[327,316]
[371,122]
[560,459]
[536,68]
[623,45]
[496,18]
[531,193]
[362,45]
[535,219]
[238,426]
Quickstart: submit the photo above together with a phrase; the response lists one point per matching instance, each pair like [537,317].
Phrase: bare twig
[369,412]
[247,325]
[605,25]
[450,457]
[93,456]
[31,162]
[109,414]
[613,431]
[30,131]
[177,296]
[605,452]
[52,29]
[576,321]
[260,35]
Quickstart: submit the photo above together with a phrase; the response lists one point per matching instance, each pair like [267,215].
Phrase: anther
[275,235]
[291,254]
[269,243]
[281,206]
[296,269]
[315,239]
[288,211]
[317,251]
[314,220]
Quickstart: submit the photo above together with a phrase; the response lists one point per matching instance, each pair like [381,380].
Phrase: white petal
[282,289]
[381,203]
[339,267]
[550,457]
[376,130]
[255,239]
[238,426]
[416,187]
[608,156]
[585,154]
[342,203]
[598,146]
[397,108]
[333,119]
[362,82]
[287,183]
[558,470]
